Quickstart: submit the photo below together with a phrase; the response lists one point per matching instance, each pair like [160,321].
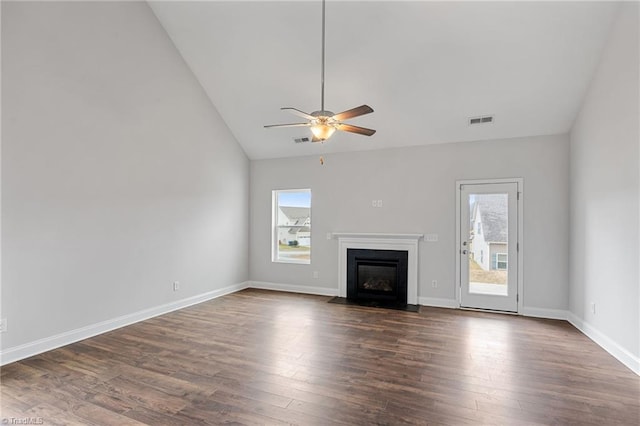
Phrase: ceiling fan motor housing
[322,114]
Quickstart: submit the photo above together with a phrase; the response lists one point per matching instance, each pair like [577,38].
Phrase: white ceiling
[424,67]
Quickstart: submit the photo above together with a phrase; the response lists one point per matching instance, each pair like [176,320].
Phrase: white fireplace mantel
[379,241]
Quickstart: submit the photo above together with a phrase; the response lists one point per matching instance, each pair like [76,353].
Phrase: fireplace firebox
[377,277]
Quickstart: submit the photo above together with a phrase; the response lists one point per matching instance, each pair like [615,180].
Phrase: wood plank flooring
[269,358]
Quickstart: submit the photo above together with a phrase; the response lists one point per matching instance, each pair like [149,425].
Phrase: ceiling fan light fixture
[322,130]
[324,123]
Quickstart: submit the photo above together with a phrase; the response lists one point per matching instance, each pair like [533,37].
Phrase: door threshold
[491,311]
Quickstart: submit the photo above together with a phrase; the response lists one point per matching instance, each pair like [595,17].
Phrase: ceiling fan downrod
[324,123]
[322,61]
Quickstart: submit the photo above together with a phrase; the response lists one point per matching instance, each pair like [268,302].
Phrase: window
[499,261]
[291,226]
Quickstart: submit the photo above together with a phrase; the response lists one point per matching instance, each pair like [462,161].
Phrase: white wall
[417,186]
[118,175]
[605,196]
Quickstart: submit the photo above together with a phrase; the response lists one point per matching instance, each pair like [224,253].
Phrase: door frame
[520,233]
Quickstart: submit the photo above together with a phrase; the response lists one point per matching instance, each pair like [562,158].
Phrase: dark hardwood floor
[260,357]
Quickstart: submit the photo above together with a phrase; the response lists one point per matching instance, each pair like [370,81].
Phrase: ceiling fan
[324,123]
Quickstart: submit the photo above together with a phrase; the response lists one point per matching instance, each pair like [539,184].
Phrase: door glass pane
[488,244]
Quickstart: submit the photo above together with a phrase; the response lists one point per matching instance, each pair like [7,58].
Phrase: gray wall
[605,193]
[417,186]
[118,175]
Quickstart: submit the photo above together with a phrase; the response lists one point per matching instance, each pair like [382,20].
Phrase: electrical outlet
[176,285]
[316,274]
[432,238]
[329,235]
[379,203]
[3,325]
[434,283]
[593,308]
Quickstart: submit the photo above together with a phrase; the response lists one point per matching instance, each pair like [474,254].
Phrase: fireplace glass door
[377,278]
[377,275]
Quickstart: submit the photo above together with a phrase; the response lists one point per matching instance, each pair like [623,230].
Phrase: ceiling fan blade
[354,112]
[288,125]
[355,129]
[299,113]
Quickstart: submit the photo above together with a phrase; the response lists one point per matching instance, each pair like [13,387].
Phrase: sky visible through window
[295,199]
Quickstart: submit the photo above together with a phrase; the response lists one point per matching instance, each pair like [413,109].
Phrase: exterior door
[489,246]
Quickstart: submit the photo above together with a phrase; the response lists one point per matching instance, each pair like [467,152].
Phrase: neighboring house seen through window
[291,226]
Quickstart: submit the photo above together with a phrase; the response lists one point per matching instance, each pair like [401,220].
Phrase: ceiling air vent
[302,139]
[485,119]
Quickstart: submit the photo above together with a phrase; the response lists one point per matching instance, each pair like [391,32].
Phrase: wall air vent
[302,139]
[485,119]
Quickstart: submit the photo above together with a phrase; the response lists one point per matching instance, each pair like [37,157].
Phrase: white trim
[26,350]
[520,232]
[376,235]
[401,242]
[275,208]
[438,303]
[49,343]
[520,242]
[458,282]
[274,224]
[557,314]
[617,351]
[319,291]
[292,261]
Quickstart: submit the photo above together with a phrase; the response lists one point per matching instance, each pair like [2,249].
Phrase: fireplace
[377,276]
[407,243]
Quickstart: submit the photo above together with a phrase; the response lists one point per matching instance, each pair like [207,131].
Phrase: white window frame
[495,261]
[275,227]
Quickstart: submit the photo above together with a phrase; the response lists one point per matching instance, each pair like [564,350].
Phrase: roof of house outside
[299,231]
[493,215]
[297,215]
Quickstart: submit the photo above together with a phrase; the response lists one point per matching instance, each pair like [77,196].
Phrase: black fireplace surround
[377,276]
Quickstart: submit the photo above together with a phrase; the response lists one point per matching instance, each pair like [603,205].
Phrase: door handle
[464,252]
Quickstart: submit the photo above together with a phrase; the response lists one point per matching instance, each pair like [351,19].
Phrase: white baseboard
[49,343]
[438,303]
[557,314]
[319,291]
[617,351]
[26,350]
[529,312]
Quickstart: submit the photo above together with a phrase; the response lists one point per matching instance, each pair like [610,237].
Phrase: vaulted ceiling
[425,67]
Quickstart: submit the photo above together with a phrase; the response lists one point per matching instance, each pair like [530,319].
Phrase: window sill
[292,261]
